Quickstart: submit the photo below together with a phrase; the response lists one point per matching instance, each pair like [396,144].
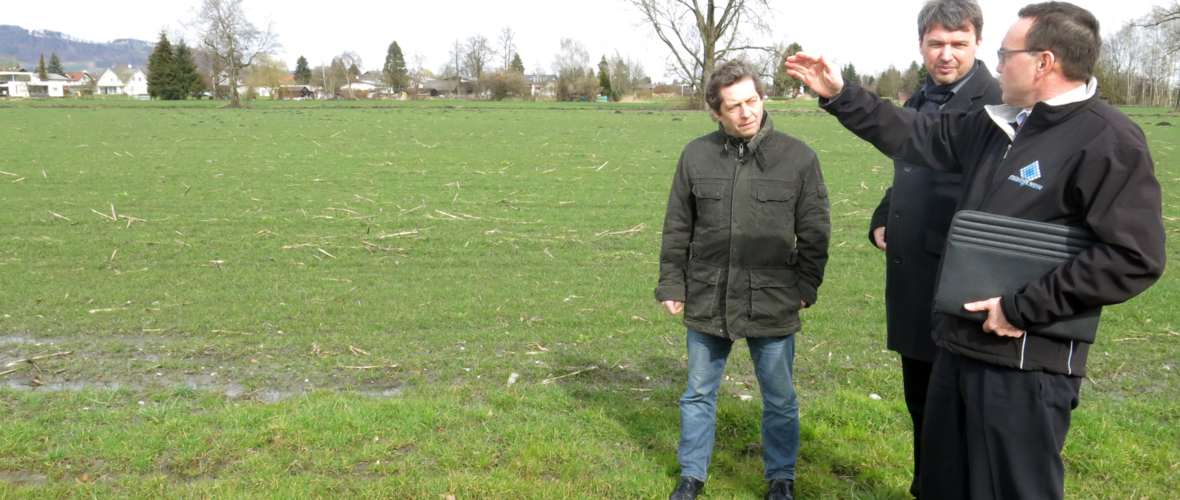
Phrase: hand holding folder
[989,255]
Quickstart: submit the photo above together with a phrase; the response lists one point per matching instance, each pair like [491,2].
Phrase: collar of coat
[1044,113]
[753,146]
[969,89]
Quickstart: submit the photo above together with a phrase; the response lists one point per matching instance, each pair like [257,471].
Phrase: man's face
[741,110]
[1018,72]
[949,55]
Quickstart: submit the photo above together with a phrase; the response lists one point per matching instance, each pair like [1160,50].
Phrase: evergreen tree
[188,77]
[604,78]
[911,79]
[517,65]
[302,71]
[394,72]
[353,70]
[41,72]
[161,72]
[849,73]
[55,65]
[784,83]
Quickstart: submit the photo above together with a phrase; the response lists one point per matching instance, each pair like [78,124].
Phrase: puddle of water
[385,393]
[24,385]
[22,477]
[207,383]
[16,339]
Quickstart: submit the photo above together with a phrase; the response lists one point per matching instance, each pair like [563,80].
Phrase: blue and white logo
[1028,175]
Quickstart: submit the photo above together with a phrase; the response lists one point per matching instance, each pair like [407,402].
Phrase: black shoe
[687,489]
[781,489]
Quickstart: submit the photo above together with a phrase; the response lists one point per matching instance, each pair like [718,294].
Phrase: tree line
[1139,64]
[232,50]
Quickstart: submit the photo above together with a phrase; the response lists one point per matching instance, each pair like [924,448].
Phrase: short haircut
[1069,32]
[728,74]
[953,15]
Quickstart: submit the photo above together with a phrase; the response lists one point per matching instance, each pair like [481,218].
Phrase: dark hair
[953,15]
[1069,32]
[728,74]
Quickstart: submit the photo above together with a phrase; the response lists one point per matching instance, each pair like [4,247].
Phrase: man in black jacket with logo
[1001,395]
[910,225]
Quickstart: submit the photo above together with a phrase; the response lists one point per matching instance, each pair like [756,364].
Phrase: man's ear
[1046,63]
[714,114]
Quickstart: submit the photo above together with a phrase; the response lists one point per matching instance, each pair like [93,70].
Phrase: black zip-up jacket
[1082,164]
[745,235]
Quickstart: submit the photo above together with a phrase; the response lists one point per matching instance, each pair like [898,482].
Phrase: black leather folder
[990,255]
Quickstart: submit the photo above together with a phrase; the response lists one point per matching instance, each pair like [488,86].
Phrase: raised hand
[820,75]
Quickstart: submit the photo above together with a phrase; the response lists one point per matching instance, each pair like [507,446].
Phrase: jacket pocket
[774,299]
[700,301]
[935,242]
[709,207]
[774,203]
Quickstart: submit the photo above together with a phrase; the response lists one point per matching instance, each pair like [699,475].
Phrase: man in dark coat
[911,223]
[744,247]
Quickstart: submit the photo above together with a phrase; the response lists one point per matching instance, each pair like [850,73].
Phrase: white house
[542,85]
[136,84]
[109,83]
[26,84]
[15,83]
[132,83]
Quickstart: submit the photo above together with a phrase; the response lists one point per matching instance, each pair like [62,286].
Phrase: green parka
[745,234]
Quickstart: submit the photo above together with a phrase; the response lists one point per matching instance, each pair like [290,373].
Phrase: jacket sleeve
[677,237]
[1123,209]
[813,231]
[880,216]
[903,134]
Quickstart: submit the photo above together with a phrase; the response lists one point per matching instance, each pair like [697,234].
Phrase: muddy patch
[23,478]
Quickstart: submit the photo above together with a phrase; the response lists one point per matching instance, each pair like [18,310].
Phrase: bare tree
[1166,24]
[232,39]
[479,53]
[574,75]
[454,66]
[266,73]
[507,45]
[330,78]
[700,35]
[625,74]
[349,60]
[213,67]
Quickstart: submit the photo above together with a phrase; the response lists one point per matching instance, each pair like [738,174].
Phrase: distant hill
[26,47]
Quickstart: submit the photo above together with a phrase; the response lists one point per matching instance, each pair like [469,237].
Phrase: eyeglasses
[1003,54]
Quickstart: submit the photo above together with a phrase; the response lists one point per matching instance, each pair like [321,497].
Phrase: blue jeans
[774,359]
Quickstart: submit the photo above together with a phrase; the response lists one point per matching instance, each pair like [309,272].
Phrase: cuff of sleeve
[1011,312]
[670,292]
[838,99]
[873,225]
[807,293]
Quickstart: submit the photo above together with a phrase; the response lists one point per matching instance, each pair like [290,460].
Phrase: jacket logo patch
[1028,175]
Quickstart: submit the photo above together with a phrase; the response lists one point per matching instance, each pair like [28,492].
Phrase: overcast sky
[871,34]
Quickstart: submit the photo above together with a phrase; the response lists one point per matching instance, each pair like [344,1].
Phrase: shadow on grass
[647,412]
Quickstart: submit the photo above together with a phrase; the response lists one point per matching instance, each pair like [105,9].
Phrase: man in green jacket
[745,243]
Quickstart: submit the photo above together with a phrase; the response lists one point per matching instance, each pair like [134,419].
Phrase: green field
[303,300]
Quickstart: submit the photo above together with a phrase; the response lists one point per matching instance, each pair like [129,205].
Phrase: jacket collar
[1044,113]
[754,145]
[972,88]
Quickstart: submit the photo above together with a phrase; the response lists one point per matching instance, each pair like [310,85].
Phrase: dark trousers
[993,432]
[915,378]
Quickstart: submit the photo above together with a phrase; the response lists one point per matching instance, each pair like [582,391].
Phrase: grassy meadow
[448,300]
